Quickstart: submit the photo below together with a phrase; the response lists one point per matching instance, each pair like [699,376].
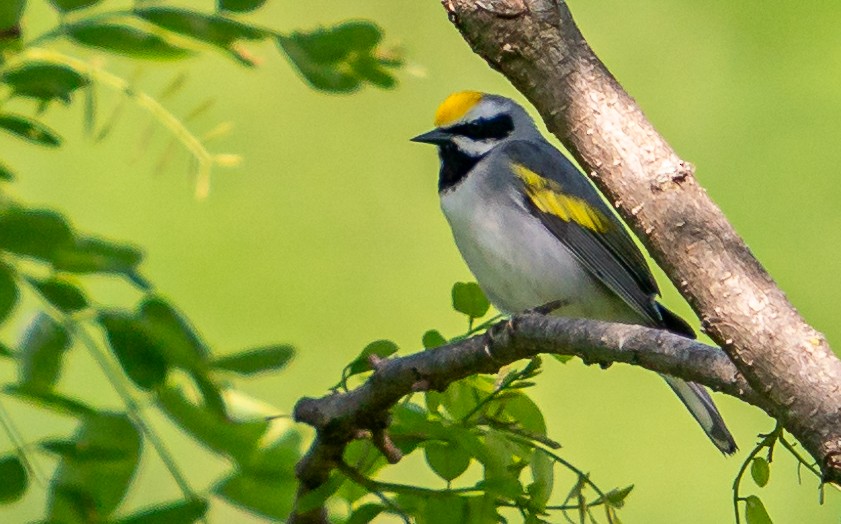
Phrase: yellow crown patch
[456,106]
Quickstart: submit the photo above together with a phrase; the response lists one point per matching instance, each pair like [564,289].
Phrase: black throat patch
[455,164]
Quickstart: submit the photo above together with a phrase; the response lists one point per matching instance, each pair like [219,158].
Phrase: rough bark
[537,46]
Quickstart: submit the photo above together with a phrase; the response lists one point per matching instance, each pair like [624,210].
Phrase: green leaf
[37,233]
[29,129]
[94,255]
[256,360]
[460,398]
[616,497]
[237,439]
[93,486]
[760,471]
[70,449]
[379,348]
[446,459]
[216,30]
[543,479]
[69,5]
[525,413]
[240,6]
[180,512]
[10,13]
[482,510]
[755,512]
[340,58]
[50,400]
[365,513]
[272,498]
[469,299]
[41,352]
[445,509]
[6,351]
[433,339]
[44,81]
[136,350]
[178,341]
[6,173]
[506,486]
[61,293]
[125,40]
[13,479]
[8,292]
[372,70]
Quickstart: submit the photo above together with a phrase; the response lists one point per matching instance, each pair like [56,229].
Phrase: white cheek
[473,147]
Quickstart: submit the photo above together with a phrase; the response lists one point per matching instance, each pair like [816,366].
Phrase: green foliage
[239,6]
[95,469]
[469,299]
[433,339]
[70,5]
[44,81]
[125,40]
[8,292]
[256,360]
[6,173]
[10,12]
[362,363]
[760,471]
[41,353]
[215,30]
[151,346]
[755,512]
[36,233]
[29,129]
[61,293]
[138,353]
[341,58]
[13,479]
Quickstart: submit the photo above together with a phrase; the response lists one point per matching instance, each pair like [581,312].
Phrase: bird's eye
[495,128]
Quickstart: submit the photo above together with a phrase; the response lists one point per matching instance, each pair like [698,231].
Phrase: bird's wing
[559,195]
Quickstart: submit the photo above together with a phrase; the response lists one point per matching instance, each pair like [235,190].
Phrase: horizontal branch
[342,417]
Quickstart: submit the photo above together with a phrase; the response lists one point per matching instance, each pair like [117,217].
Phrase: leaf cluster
[151,354]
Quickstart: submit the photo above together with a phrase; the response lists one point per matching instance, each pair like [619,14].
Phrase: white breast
[518,262]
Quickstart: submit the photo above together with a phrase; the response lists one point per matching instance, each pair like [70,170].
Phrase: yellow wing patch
[456,106]
[548,196]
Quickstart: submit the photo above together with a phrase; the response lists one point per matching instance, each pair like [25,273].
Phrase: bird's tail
[701,405]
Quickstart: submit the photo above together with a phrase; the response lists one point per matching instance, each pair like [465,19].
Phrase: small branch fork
[340,418]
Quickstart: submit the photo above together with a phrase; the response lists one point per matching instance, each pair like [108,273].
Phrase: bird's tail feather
[701,405]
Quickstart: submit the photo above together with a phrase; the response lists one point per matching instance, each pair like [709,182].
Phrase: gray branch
[364,412]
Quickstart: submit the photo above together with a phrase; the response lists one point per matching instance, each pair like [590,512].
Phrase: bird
[533,230]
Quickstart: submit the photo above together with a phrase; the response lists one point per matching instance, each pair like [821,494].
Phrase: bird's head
[474,123]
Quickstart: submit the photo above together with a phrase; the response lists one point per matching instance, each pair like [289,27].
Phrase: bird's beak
[436,136]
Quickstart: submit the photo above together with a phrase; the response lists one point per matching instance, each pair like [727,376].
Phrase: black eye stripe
[497,127]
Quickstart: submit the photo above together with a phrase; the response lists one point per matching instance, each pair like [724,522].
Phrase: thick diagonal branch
[537,46]
[341,418]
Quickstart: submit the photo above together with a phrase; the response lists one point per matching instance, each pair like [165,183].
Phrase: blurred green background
[329,234]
